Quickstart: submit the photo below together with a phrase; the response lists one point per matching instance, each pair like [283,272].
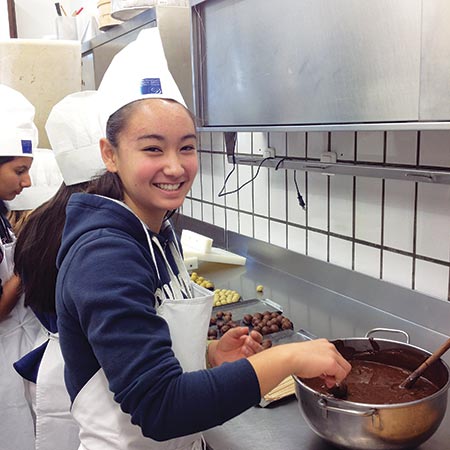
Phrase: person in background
[45,181]
[73,130]
[45,178]
[18,138]
[132,330]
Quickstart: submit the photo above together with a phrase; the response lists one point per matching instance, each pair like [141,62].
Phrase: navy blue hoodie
[106,319]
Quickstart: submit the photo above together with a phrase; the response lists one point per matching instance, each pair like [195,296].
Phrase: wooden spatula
[409,381]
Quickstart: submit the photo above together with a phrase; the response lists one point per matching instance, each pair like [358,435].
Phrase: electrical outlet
[269,152]
[328,157]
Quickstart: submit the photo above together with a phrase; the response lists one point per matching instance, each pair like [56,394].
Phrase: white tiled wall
[341,204]
[395,230]
[399,215]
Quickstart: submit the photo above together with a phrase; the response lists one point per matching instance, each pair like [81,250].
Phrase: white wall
[35,19]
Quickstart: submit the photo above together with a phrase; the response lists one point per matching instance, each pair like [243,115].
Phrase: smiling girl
[132,327]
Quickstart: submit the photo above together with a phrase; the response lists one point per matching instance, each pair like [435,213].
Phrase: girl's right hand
[320,358]
[317,358]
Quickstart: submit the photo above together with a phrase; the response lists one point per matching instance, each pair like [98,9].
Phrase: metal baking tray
[286,337]
[250,306]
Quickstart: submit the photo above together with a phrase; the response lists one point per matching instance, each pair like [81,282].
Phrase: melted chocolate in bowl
[377,383]
[377,415]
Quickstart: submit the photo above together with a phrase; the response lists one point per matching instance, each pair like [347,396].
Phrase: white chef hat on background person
[74,130]
[46,179]
[137,72]
[18,133]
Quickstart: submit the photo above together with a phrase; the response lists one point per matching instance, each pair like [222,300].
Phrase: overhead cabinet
[299,63]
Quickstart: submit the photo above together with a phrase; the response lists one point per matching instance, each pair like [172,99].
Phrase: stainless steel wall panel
[308,61]
[435,67]
[303,64]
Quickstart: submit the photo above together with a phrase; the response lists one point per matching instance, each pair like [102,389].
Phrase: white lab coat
[17,336]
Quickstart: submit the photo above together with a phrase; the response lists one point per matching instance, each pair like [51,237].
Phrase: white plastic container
[66,28]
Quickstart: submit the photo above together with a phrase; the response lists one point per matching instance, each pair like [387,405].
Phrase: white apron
[55,426]
[103,425]
[17,335]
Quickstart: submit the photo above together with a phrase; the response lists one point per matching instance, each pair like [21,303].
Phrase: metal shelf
[368,126]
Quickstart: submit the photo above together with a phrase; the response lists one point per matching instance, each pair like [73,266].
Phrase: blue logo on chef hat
[151,86]
[27,146]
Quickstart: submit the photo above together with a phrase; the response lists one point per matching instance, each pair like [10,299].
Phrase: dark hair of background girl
[37,247]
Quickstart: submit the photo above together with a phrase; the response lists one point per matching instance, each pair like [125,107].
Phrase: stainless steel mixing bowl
[362,426]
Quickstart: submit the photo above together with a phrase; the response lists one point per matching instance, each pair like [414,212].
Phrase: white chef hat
[137,72]
[46,179]
[18,133]
[73,129]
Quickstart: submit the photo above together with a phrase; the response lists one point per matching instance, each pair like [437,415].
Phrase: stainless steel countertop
[282,426]
[323,313]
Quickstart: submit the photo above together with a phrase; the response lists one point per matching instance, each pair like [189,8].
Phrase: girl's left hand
[235,344]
